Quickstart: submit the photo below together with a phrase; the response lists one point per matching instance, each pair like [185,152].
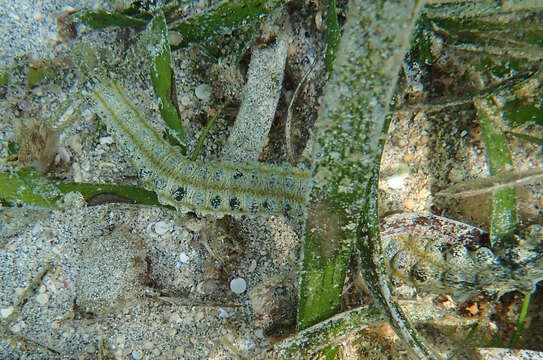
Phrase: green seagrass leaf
[28,187]
[162,78]
[504,212]
[99,19]
[220,19]
[349,133]
[4,77]
[530,138]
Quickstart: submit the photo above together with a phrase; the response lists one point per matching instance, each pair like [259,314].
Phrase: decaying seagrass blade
[257,111]
[216,188]
[491,184]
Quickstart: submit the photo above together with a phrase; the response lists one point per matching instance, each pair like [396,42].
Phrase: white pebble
[76,170]
[175,318]
[186,100]
[183,258]
[249,345]
[199,316]
[43,298]
[85,166]
[396,182]
[90,349]
[19,291]
[180,350]
[223,314]
[175,38]
[62,155]
[162,227]
[16,328]
[5,312]
[203,92]
[238,285]
[137,354]
[75,143]
[36,229]
[252,266]
[106,140]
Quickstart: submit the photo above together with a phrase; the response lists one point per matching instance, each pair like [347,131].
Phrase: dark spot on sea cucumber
[234,203]
[286,209]
[271,206]
[179,194]
[254,178]
[237,174]
[273,181]
[145,173]
[216,201]
[218,175]
[203,173]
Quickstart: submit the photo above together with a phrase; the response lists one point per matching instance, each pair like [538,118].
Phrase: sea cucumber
[211,187]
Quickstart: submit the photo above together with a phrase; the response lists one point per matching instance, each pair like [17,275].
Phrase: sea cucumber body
[217,188]
[441,255]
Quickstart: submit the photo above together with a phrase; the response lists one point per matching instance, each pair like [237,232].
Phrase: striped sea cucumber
[441,255]
[210,187]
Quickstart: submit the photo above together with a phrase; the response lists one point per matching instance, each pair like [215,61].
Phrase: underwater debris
[38,143]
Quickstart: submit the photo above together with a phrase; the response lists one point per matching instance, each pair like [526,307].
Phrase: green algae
[28,187]
[521,321]
[421,43]
[518,112]
[504,222]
